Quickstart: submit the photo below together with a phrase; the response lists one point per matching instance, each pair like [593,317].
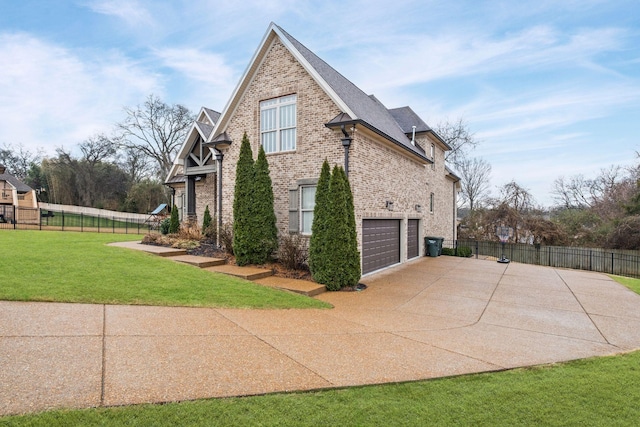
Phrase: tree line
[599,211]
[123,170]
[603,211]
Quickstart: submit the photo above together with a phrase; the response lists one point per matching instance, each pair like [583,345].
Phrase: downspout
[219,157]
[346,143]
[455,237]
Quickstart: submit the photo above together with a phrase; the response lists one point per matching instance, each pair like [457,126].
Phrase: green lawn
[633,284]
[79,267]
[593,392]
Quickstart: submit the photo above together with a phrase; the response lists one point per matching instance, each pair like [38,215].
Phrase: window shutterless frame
[278,123]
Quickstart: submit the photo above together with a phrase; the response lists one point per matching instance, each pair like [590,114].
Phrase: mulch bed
[208,249]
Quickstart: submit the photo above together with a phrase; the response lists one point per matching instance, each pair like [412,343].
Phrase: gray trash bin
[433,245]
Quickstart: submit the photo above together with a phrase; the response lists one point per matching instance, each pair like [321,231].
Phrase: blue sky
[550,88]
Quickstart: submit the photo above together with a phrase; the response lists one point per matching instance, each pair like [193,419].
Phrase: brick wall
[378,170]
[280,74]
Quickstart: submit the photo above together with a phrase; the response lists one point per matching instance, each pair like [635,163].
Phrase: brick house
[14,194]
[302,111]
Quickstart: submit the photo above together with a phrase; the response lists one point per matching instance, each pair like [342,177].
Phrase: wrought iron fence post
[611,262]
[113,225]
[63,220]
[477,246]
[81,222]
[15,218]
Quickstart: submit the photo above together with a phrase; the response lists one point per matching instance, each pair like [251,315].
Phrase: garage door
[380,244]
[413,244]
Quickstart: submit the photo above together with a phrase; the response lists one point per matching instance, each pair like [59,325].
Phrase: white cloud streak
[129,11]
[51,97]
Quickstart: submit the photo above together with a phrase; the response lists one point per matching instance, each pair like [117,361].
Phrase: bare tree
[475,175]
[135,164]
[98,148]
[458,136]
[580,192]
[18,160]
[155,129]
[513,209]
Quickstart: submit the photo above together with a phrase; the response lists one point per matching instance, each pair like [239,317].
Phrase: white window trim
[280,102]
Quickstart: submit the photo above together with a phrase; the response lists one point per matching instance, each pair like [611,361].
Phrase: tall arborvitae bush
[242,204]
[206,219]
[339,261]
[264,230]
[317,243]
[174,222]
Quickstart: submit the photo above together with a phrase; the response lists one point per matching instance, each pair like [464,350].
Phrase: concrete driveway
[429,318]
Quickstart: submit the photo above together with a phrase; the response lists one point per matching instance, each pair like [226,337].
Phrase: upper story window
[278,124]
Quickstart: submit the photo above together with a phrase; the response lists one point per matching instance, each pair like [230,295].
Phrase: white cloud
[408,60]
[130,11]
[51,97]
[204,67]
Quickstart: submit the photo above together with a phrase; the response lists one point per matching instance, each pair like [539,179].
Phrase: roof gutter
[339,126]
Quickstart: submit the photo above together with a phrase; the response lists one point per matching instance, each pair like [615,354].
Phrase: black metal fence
[611,261]
[19,218]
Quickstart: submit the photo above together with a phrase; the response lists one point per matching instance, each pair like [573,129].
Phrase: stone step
[162,251]
[303,287]
[248,273]
[199,261]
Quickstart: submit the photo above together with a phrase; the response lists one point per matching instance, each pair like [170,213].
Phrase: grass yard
[593,392]
[631,283]
[80,268]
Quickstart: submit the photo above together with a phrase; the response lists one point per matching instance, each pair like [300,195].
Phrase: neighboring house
[16,194]
[303,111]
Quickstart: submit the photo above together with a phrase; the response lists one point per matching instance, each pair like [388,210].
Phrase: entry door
[413,242]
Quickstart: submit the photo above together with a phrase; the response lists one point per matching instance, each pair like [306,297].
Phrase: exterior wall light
[389,205]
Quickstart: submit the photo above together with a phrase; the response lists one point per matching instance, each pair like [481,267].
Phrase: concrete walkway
[429,318]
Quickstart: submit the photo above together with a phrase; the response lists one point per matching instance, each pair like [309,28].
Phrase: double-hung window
[307,203]
[278,124]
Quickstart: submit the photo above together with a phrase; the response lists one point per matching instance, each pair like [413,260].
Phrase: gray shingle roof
[205,128]
[407,118]
[366,108]
[213,114]
[15,182]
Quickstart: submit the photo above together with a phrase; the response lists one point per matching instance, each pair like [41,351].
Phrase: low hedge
[463,251]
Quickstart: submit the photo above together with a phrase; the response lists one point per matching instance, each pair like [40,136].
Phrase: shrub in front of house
[226,238]
[165,225]
[174,222]
[292,251]
[206,219]
[264,230]
[242,205]
[340,258]
[317,242]
[463,251]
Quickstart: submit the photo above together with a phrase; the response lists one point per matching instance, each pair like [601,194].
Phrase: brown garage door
[413,244]
[380,244]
